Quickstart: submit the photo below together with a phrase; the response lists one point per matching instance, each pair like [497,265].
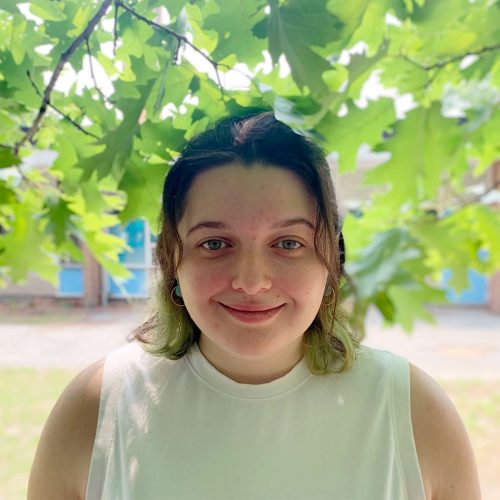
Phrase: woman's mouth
[252,314]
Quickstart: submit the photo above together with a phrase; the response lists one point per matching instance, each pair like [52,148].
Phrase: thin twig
[64,115]
[57,71]
[175,59]
[27,180]
[92,74]
[179,37]
[115,29]
[476,199]
[441,64]
[461,206]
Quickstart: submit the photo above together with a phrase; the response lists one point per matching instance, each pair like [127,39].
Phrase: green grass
[478,403]
[28,395]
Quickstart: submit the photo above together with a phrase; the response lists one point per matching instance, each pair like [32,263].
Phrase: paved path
[465,343]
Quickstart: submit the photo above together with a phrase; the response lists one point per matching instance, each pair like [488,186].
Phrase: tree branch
[57,71]
[462,205]
[65,116]
[477,198]
[179,37]
[441,64]
[115,29]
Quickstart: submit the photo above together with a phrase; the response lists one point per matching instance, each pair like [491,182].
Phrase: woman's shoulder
[444,451]
[64,452]
[371,359]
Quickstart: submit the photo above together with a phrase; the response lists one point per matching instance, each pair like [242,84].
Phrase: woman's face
[248,243]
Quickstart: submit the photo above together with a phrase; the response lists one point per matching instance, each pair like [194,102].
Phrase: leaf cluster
[114,89]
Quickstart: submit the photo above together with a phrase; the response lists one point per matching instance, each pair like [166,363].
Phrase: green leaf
[81,18]
[401,74]
[370,30]
[17,45]
[410,303]
[143,184]
[233,24]
[487,224]
[360,69]
[72,146]
[59,221]
[424,144]
[436,238]
[106,248]
[17,246]
[174,7]
[47,10]
[380,263]
[350,13]
[172,86]
[159,139]
[7,195]
[485,144]
[293,28]
[360,126]
[9,6]
[8,158]
[118,143]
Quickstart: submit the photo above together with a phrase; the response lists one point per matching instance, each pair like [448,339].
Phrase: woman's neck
[251,370]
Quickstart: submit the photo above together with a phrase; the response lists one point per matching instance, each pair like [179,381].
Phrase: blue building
[138,261]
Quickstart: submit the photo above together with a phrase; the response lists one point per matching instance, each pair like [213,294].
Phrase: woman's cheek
[310,278]
[204,279]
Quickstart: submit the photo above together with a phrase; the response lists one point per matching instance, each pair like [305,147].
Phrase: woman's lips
[252,314]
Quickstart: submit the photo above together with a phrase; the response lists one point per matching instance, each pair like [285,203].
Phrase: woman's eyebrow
[212,224]
[293,222]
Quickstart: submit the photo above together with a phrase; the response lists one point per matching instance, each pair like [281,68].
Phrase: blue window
[133,234]
[137,260]
[478,286]
[136,286]
[71,281]
[475,294]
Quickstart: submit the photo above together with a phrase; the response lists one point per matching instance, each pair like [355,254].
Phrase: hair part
[259,139]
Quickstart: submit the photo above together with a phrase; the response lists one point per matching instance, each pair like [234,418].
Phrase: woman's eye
[213,244]
[290,244]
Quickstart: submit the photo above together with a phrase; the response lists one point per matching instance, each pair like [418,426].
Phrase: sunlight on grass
[27,396]
[478,403]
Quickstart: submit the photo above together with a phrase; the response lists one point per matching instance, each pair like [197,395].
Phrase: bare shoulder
[444,451]
[62,460]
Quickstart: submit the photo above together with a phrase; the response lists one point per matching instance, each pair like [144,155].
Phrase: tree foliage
[163,71]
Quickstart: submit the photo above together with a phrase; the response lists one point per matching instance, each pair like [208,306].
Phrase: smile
[252,316]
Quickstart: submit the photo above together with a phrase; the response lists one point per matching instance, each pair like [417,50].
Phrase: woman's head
[250,174]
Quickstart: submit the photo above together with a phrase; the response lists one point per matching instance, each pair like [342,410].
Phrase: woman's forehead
[258,194]
[245,182]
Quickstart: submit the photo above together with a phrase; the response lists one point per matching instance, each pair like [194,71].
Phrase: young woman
[245,382]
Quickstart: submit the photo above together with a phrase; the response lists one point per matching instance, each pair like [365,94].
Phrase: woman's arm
[62,460]
[444,451]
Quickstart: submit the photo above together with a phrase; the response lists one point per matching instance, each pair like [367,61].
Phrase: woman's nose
[250,274]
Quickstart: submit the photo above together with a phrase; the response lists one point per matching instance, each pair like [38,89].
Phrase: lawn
[478,403]
[28,395]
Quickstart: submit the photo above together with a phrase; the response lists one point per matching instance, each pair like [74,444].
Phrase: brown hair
[250,141]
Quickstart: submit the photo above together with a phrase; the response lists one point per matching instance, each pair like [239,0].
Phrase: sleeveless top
[183,430]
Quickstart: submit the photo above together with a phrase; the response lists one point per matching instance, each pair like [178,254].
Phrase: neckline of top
[222,383]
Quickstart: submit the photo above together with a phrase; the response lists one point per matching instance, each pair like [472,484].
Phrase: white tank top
[183,430]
